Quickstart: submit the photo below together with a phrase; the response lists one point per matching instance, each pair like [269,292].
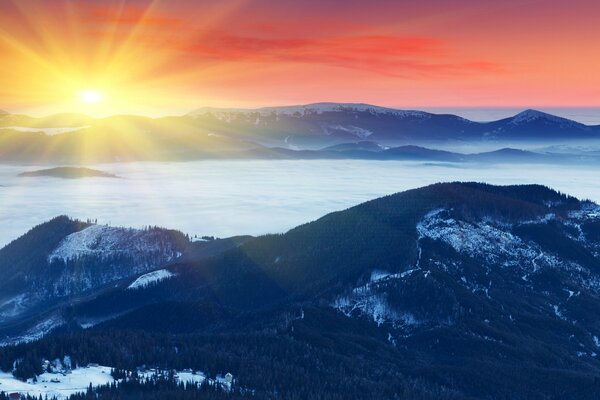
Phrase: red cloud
[171,30]
[392,55]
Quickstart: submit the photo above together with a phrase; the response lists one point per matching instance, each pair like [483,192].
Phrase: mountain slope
[486,291]
[536,124]
[63,259]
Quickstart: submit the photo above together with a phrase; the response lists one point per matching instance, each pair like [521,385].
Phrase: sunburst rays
[134,53]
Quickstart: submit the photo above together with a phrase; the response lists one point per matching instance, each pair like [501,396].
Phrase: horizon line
[441,109]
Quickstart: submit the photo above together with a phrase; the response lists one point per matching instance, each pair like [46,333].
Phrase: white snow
[63,384]
[56,384]
[493,244]
[182,376]
[187,376]
[572,293]
[370,301]
[379,275]
[480,239]
[391,339]
[557,312]
[151,278]
[107,241]
[533,115]
[36,332]
[489,240]
[13,306]
[588,211]
[357,131]
[229,114]
[376,307]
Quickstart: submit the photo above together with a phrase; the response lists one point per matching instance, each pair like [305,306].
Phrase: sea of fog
[225,198]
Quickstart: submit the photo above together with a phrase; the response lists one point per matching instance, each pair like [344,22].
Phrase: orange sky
[169,57]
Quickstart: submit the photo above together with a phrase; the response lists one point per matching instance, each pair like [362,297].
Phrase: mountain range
[454,290]
[235,133]
[301,125]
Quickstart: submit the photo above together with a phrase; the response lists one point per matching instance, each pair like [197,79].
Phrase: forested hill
[454,290]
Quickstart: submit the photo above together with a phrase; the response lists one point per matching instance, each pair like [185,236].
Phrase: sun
[91,96]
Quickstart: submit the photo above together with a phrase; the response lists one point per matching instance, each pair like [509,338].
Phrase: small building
[228,378]
[14,396]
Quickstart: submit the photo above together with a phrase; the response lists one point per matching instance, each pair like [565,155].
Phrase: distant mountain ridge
[367,150]
[385,124]
[313,108]
[229,133]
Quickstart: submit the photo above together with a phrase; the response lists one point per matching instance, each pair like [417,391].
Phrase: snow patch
[357,131]
[151,278]
[36,332]
[187,376]
[13,306]
[106,241]
[376,307]
[57,385]
[588,211]
[370,300]
[486,240]
[557,312]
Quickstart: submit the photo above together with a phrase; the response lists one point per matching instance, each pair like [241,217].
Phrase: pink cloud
[393,55]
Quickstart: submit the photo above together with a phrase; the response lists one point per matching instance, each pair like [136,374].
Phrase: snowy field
[78,380]
[224,198]
[61,386]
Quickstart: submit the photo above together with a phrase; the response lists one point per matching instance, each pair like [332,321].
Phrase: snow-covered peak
[307,109]
[535,115]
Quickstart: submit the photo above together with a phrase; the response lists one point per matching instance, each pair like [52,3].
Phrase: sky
[104,57]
